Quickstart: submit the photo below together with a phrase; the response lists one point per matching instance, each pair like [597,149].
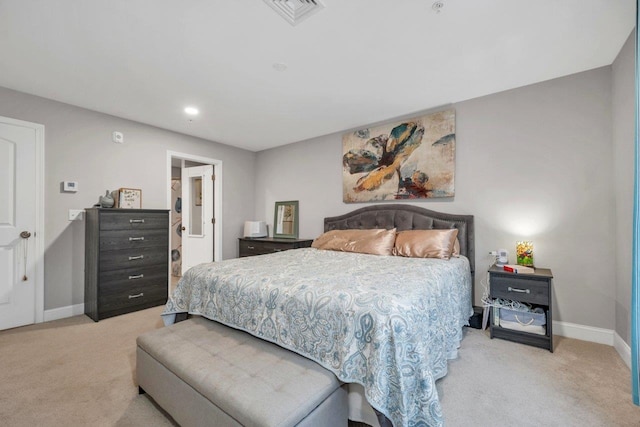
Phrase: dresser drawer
[522,289]
[135,257]
[131,295]
[130,239]
[260,248]
[133,220]
[249,247]
[109,280]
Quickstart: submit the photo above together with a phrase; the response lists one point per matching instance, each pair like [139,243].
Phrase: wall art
[409,159]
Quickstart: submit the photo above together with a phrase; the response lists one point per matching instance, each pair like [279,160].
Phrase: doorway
[193,238]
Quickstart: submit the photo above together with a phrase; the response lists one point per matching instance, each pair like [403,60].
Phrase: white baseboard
[584,333]
[623,349]
[597,335]
[63,312]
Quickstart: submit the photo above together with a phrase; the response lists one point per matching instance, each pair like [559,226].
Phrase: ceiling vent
[295,11]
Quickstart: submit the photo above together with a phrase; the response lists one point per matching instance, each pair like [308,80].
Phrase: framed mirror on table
[285,220]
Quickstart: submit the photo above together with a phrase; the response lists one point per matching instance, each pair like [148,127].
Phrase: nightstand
[534,289]
[269,245]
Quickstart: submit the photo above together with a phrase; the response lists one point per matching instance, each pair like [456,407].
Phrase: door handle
[25,234]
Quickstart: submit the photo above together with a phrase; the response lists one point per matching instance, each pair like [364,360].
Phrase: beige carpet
[74,372]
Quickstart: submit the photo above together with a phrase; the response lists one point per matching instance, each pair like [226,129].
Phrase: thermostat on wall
[70,186]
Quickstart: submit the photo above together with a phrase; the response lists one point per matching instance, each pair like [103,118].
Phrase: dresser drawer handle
[138,276]
[251,247]
[131,258]
[133,239]
[136,221]
[277,250]
[141,294]
[522,291]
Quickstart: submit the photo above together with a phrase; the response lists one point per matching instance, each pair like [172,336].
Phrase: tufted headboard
[407,217]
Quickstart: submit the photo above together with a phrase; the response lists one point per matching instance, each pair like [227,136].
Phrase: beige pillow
[426,243]
[456,249]
[375,241]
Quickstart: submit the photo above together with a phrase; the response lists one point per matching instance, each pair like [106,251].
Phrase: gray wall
[623,107]
[78,147]
[531,162]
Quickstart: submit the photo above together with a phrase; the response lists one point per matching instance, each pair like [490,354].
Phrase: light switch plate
[76,214]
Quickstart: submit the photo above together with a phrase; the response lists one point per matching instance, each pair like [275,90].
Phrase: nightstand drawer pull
[251,247]
[136,221]
[131,258]
[141,294]
[138,276]
[135,239]
[522,291]
[277,250]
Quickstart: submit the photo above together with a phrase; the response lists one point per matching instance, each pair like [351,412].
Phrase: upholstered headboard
[407,217]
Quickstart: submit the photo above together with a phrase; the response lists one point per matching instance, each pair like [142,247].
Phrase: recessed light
[192,111]
[279,66]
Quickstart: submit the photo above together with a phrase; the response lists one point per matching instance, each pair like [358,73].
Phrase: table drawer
[129,239]
[134,257]
[520,289]
[133,220]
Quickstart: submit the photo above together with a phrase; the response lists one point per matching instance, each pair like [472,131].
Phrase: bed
[387,323]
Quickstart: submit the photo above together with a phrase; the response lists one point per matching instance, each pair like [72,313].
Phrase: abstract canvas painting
[410,159]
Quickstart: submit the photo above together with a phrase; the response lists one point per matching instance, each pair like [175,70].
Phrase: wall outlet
[76,214]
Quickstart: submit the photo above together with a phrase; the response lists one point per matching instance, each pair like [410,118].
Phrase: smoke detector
[295,11]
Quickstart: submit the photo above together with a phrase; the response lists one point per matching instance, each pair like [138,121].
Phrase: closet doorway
[195,199]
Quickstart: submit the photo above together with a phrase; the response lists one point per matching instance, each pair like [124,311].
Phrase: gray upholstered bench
[206,374]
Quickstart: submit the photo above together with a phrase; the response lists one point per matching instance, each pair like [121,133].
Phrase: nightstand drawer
[520,289]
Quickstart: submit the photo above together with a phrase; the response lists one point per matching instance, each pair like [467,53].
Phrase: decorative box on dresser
[534,289]
[126,260]
[268,245]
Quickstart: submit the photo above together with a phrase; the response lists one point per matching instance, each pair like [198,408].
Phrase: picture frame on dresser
[129,198]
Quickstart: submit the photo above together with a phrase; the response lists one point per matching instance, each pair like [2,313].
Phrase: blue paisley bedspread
[389,323]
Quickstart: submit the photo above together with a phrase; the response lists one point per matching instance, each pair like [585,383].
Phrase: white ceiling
[353,63]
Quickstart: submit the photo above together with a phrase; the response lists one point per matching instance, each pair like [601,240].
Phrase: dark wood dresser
[126,260]
[269,245]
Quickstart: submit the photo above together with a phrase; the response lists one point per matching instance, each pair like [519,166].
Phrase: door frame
[38,234]
[217,195]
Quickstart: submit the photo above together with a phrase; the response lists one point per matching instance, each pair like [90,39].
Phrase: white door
[20,263]
[197,216]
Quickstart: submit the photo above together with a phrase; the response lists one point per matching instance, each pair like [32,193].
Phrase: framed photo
[130,198]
